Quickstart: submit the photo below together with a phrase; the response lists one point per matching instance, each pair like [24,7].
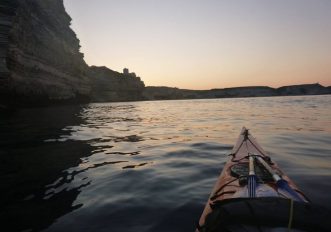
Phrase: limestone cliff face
[7,13]
[108,85]
[40,54]
[40,61]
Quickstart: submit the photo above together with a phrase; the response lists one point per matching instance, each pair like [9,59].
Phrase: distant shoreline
[306,95]
[169,93]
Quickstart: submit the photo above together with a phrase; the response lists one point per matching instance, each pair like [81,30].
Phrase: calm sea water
[148,166]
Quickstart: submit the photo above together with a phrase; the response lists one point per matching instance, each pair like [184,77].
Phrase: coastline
[55,72]
[167,93]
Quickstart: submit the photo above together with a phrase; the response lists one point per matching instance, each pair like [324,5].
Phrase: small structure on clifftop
[127,73]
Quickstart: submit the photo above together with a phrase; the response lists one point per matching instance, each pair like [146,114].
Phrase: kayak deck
[234,183]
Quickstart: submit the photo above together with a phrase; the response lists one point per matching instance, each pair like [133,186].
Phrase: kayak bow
[253,194]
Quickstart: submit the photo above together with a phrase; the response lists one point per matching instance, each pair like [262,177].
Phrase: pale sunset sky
[204,44]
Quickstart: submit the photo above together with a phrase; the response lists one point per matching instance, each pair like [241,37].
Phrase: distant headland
[166,93]
[41,64]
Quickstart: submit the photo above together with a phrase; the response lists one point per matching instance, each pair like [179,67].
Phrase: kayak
[253,194]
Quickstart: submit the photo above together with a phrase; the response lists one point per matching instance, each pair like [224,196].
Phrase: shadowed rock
[108,85]
[29,167]
[41,62]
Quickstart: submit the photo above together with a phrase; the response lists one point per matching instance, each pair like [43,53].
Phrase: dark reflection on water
[28,165]
[148,166]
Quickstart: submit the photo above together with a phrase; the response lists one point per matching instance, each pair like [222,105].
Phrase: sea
[148,166]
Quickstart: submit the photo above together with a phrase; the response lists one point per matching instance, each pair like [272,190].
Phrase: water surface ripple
[149,166]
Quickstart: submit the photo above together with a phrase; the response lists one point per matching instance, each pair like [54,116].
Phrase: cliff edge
[108,85]
[41,62]
[40,54]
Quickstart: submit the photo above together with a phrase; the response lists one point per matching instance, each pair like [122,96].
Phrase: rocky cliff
[108,85]
[7,13]
[41,63]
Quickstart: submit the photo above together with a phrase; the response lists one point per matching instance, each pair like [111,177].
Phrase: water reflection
[148,166]
[31,170]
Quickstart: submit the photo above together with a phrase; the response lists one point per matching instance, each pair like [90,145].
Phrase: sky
[205,44]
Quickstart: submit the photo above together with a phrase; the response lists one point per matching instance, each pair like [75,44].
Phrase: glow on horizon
[197,44]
